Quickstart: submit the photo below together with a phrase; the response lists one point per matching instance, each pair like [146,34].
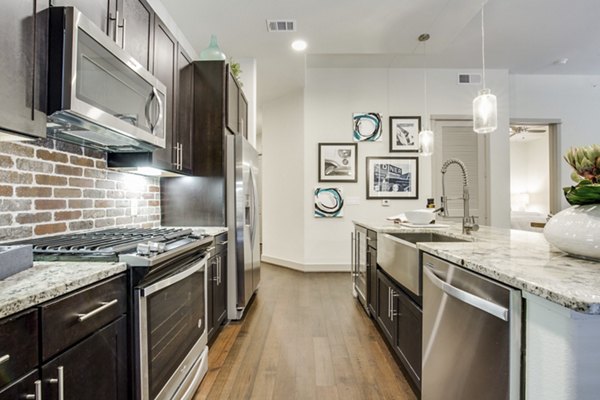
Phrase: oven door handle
[197,266]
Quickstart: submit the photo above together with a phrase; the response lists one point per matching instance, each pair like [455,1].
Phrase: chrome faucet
[468,221]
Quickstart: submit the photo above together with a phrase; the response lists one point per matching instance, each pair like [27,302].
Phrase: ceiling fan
[522,129]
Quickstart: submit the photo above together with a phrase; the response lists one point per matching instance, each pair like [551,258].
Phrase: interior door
[456,139]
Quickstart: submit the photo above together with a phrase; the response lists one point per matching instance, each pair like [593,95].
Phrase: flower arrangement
[586,164]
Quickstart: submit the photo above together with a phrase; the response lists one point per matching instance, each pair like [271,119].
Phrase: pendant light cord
[426,122]
[483,45]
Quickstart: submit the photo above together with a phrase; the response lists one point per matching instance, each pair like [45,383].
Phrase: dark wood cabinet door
[22,68]
[18,346]
[233,94]
[22,389]
[211,273]
[185,109]
[98,11]
[165,57]
[372,280]
[220,296]
[95,369]
[385,306]
[135,31]
[243,115]
[409,335]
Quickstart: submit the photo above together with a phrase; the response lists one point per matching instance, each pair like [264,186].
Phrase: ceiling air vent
[281,25]
[469,79]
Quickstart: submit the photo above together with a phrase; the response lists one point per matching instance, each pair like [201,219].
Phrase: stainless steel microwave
[98,95]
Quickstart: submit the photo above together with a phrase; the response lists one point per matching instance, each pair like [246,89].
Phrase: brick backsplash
[49,187]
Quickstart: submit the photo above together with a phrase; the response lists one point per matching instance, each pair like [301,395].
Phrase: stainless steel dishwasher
[471,335]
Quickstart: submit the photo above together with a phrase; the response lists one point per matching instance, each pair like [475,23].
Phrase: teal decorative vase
[212,52]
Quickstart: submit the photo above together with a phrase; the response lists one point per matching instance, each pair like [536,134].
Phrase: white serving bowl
[420,217]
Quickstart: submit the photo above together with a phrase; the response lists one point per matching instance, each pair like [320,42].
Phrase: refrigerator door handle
[253,206]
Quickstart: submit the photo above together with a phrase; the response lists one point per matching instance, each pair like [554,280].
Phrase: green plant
[586,164]
[236,70]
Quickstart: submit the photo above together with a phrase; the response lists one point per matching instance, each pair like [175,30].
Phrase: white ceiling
[523,36]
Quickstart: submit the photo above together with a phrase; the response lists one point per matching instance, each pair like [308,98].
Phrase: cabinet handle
[115,22]
[123,26]
[220,264]
[61,383]
[38,392]
[223,243]
[104,306]
[4,358]
[209,249]
[392,311]
[180,156]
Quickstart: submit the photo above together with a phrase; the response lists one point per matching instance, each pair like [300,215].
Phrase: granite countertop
[47,280]
[521,259]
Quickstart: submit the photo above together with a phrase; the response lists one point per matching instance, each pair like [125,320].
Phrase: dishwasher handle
[466,297]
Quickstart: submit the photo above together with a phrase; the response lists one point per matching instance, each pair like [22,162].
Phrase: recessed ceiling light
[299,45]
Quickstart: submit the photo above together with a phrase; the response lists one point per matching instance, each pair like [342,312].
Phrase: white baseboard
[306,267]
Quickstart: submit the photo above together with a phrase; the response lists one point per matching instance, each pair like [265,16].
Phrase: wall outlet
[134,207]
[385,203]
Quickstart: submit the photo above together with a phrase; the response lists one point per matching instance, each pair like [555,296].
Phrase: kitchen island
[561,302]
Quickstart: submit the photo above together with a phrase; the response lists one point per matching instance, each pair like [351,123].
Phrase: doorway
[533,174]
[454,138]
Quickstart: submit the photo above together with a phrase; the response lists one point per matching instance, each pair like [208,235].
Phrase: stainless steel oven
[171,330]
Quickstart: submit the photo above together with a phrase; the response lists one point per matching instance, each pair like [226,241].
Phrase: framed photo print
[337,162]
[367,127]
[404,134]
[392,177]
[329,202]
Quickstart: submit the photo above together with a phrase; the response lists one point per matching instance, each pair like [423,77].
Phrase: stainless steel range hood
[98,95]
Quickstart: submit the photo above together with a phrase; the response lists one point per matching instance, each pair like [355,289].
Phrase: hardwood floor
[304,337]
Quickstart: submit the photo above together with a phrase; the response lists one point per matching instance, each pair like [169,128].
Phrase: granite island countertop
[521,259]
[47,280]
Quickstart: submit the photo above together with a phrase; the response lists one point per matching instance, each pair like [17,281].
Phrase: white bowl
[420,217]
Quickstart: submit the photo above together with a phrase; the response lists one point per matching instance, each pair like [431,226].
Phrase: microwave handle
[163,283]
[160,110]
[147,109]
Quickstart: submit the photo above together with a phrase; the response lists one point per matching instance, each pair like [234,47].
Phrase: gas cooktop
[110,244]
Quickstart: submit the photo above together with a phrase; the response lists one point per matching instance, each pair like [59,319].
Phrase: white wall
[575,100]
[282,179]
[330,98]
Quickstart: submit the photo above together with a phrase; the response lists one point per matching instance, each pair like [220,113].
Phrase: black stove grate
[107,244]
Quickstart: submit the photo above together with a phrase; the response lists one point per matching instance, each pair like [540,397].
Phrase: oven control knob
[156,247]
[143,249]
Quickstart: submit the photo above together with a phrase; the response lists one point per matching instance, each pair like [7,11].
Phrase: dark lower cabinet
[408,340]
[217,287]
[385,306]
[21,389]
[95,369]
[371,278]
[400,320]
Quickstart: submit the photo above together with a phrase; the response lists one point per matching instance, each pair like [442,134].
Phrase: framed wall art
[404,134]
[338,162]
[329,202]
[367,127]
[392,177]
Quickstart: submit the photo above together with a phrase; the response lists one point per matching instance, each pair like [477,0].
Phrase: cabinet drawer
[221,243]
[71,318]
[18,346]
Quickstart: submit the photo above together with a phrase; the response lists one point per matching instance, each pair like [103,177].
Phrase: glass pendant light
[485,107]
[425,135]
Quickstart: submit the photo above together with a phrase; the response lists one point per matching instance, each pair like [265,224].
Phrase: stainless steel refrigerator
[243,216]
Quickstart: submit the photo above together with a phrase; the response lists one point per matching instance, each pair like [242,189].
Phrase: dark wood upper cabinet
[233,94]
[136,29]
[243,115]
[185,108]
[101,12]
[165,60]
[23,71]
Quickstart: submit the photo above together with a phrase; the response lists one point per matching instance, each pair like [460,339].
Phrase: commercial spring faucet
[468,221]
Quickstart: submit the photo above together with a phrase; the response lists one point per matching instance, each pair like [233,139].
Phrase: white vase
[576,231]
